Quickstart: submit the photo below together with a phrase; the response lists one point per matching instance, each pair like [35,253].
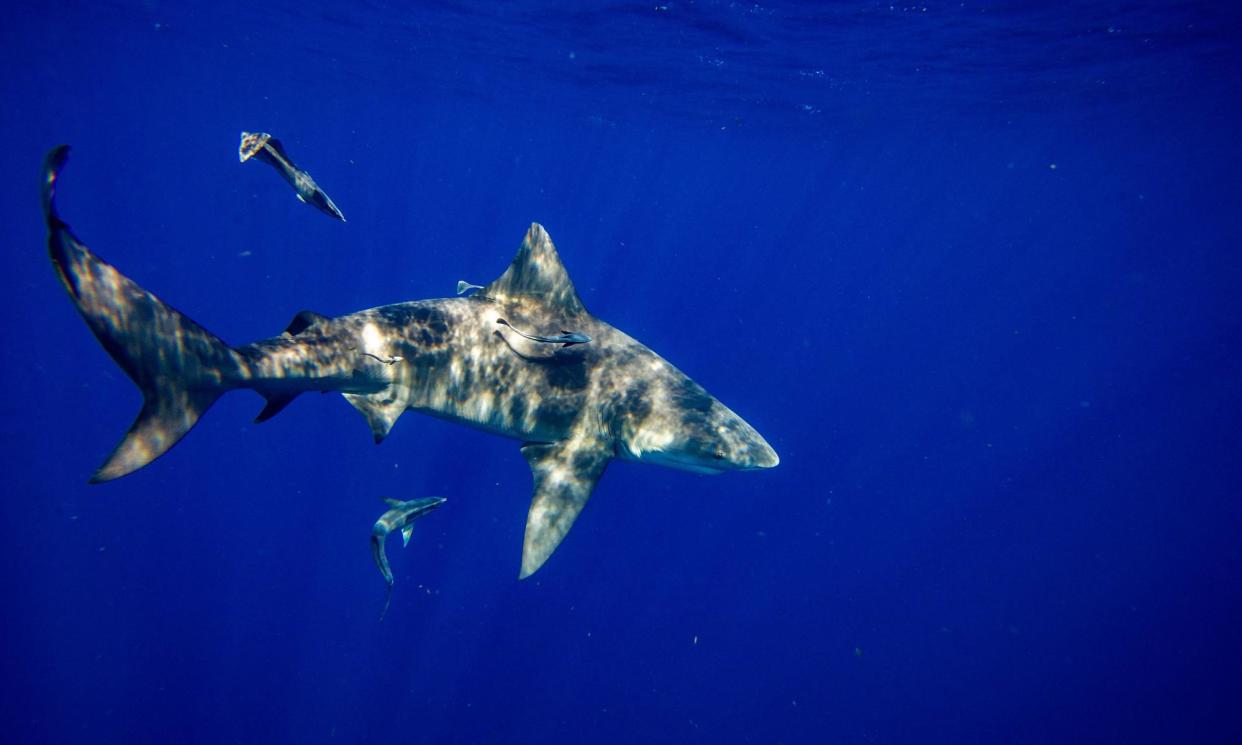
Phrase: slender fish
[268,149]
[565,338]
[400,517]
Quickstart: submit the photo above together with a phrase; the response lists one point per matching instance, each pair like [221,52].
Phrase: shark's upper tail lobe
[180,367]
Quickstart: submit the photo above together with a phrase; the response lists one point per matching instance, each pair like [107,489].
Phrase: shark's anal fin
[565,474]
[276,403]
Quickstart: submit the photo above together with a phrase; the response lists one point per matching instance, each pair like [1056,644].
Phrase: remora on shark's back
[574,409]
[264,147]
[565,338]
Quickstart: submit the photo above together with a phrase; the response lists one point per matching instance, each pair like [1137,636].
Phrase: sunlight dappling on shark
[575,406]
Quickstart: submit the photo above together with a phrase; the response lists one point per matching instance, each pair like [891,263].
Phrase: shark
[573,409]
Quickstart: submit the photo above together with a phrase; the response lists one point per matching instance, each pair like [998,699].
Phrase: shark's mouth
[669,460]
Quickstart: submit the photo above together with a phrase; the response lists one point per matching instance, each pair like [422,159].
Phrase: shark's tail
[180,367]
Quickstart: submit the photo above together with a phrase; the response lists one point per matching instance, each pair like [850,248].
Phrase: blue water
[972,269]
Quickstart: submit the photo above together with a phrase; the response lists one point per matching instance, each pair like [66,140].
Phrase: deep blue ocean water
[972,268]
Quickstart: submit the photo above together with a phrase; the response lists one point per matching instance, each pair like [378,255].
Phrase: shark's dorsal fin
[537,274]
[565,474]
[304,320]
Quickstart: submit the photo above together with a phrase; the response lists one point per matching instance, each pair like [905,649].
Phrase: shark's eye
[719,455]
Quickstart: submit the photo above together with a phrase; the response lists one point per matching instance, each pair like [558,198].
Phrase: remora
[575,408]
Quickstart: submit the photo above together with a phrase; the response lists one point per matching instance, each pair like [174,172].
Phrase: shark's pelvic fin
[565,474]
[381,413]
[537,273]
[180,367]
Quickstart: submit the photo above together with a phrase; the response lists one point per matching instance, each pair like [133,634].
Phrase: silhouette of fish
[264,147]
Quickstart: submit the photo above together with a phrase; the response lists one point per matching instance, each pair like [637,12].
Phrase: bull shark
[575,409]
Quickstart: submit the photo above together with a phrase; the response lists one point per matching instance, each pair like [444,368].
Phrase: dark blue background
[972,270]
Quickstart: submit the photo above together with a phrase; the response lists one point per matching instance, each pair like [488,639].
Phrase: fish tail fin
[387,601]
[180,367]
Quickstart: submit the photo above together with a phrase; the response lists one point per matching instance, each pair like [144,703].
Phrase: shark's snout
[766,456]
[750,451]
[706,438]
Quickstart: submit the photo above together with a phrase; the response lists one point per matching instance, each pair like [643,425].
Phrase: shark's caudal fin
[180,367]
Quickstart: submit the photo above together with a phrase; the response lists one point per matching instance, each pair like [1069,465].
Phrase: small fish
[400,517]
[463,287]
[565,338]
[269,150]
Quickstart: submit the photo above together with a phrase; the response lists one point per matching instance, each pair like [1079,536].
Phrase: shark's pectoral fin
[381,413]
[565,474]
[406,532]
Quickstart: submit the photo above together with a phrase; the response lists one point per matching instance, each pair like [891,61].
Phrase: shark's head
[682,426]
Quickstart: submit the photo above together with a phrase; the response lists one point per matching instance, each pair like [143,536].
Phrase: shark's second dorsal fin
[537,273]
[304,320]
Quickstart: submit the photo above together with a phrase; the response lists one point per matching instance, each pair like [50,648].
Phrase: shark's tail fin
[180,367]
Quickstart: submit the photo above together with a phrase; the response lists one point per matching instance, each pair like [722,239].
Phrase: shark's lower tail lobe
[180,367]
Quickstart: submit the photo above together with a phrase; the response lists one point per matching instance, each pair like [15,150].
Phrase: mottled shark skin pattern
[264,147]
[574,408]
